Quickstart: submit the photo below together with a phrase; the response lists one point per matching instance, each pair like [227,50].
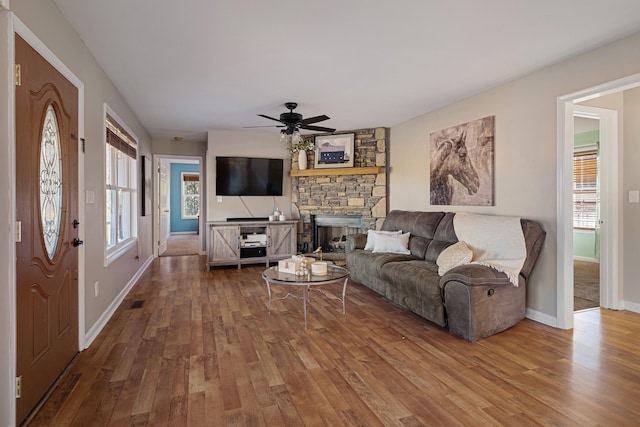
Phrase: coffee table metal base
[306,287]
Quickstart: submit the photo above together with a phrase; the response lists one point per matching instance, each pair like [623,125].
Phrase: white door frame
[611,214]
[156,183]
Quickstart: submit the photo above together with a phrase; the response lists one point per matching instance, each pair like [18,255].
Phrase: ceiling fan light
[295,137]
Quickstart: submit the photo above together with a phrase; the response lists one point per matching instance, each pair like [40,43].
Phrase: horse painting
[450,159]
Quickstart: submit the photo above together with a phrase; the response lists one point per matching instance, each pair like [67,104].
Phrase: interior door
[46,208]
[164,213]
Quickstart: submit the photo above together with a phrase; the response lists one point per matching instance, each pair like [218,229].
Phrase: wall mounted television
[248,176]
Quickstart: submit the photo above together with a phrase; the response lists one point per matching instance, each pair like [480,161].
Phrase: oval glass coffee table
[306,283]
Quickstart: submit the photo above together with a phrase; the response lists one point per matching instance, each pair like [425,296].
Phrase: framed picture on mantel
[334,151]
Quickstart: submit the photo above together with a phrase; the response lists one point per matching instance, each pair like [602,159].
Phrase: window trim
[113,253]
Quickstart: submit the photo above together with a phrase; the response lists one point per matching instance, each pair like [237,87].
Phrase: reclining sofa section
[472,301]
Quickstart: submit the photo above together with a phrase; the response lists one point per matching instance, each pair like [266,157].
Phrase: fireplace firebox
[330,231]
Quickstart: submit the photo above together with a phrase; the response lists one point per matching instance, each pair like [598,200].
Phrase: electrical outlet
[97,288]
[219,199]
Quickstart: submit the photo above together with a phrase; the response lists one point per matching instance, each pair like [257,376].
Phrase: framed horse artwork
[462,164]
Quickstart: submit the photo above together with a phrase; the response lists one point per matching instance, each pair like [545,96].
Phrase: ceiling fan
[292,122]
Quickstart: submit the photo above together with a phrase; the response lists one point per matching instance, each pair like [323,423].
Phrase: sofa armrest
[355,241]
[475,275]
[481,301]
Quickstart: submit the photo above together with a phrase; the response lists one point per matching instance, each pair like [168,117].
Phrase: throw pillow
[371,237]
[395,243]
[453,256]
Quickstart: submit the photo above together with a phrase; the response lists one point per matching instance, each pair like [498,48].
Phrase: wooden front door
[46,208]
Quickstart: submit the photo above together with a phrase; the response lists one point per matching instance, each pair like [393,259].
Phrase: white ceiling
[189,66]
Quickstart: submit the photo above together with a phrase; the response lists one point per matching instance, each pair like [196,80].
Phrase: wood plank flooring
[202,350]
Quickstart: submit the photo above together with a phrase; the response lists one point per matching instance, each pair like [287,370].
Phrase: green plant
[303,145]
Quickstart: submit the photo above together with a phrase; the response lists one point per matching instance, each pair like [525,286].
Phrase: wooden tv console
[250,242]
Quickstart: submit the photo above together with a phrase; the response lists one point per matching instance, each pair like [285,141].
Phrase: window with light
[585,189]
[190,195]
[121,188]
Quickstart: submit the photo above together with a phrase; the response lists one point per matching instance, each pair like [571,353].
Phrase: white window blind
[585,186]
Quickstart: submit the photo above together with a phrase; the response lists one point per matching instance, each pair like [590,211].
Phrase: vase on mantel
[302,159]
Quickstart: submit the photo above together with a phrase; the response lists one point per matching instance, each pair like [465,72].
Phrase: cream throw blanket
[496,241]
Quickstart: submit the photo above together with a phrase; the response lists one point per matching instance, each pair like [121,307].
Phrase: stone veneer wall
[364,195]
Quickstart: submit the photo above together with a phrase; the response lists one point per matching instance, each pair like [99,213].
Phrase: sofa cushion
[453,256]
[371,237]
[421,224]
[415,276]
[418,246]
[364,266]
[443,236]
[417,283]
[395,243]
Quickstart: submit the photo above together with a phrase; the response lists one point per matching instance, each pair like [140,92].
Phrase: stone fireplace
[343,193]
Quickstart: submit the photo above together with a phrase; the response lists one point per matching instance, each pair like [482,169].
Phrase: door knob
[77,242]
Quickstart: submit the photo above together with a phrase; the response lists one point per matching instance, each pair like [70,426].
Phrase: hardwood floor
[202,350]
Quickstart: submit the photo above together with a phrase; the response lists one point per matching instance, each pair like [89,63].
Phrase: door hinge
[18,75]
[19,387]
[83,145]
[18,231]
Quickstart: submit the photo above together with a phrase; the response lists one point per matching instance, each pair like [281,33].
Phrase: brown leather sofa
[472,301]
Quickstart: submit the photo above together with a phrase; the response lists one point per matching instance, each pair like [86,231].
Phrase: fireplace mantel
[369,170]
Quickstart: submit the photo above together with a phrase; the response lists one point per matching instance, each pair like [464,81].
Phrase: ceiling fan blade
[268,126]
[315,119]
[270,118]
[318,128]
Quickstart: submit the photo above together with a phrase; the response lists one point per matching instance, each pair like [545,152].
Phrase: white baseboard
[541,317]
[102,321]
[631,306]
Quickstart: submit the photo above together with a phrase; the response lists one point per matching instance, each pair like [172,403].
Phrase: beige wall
[183,148]
[249,144]
[631,211]
[526,152]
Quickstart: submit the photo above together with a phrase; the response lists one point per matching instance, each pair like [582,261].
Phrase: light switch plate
[90,196]
[634,196]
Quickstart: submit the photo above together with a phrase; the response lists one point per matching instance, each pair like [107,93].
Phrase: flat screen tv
[248,176]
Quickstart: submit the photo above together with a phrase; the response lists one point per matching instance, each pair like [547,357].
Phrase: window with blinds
[585,194]
[121,188]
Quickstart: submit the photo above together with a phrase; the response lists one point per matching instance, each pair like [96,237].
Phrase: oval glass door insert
[50,182]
